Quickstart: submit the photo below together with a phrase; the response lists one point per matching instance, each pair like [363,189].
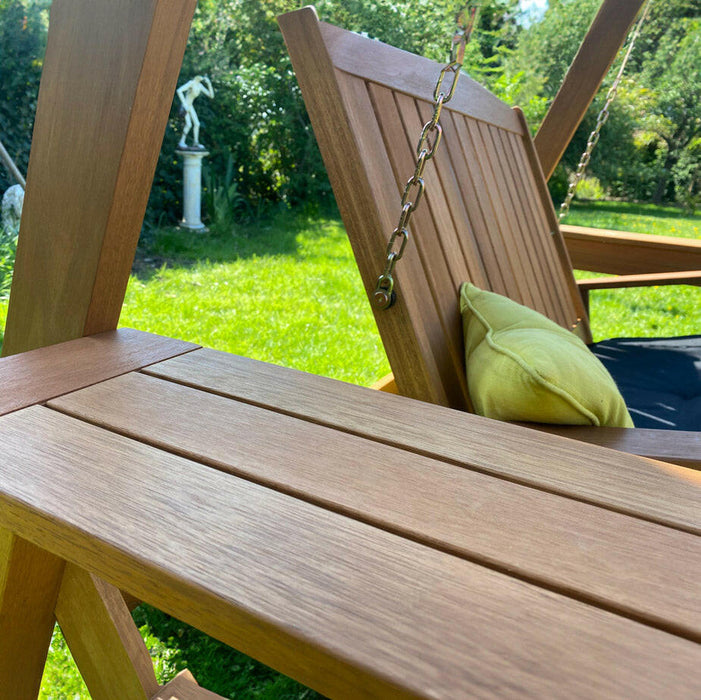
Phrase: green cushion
[521,366]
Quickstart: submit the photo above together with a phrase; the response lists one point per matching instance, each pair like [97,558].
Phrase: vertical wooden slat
[502,212]
[553,272]
[103,104]
[476,196]
[521,232]
[458,241]
[398,119]
[531,232]
[535,172]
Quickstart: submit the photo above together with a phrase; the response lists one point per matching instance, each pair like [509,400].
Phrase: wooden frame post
[91,168]
[584,77]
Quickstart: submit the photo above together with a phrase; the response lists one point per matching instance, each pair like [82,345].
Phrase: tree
[23,26]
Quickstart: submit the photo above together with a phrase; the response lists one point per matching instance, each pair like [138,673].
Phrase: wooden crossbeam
[591,64]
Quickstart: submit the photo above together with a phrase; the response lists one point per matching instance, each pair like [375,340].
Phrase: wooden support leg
[585,299]
[103,639]
[29,583]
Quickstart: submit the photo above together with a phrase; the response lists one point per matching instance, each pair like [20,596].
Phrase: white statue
[188,93]
[12,202]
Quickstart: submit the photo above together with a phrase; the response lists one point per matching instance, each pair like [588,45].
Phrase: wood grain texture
[581,83]
[44,373]
[342,606]
[368,103]
[103,639]
[657,279]
[106,91]
[676,446]
[29,583]
[624,253]
[535,173]
[612,479]
[184,687]
[344,123]
[404,72]
[560,543]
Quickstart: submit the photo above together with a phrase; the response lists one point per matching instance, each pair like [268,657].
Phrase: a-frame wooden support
[584,77]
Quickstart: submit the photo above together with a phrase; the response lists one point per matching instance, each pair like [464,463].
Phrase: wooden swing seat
[366,544]
[486,215]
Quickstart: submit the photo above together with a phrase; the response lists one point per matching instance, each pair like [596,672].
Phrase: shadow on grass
[634,209]
[277,234]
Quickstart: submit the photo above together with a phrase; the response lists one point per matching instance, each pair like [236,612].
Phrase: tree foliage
[22,44]
[258,133]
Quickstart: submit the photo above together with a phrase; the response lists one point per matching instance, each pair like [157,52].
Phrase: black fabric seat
[659,378]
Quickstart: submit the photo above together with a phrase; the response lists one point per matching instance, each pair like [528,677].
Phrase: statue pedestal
[192,188]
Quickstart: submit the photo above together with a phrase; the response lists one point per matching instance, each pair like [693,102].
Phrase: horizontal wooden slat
[657,278]
[441,504]
[619,481]
[624,253]
[342,606]
[38,375]
[678,446]
[412,74]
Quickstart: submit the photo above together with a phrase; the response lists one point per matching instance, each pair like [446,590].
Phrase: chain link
[601,120]
[429,141]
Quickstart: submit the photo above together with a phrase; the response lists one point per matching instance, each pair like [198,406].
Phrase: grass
[289,292]
[645,311]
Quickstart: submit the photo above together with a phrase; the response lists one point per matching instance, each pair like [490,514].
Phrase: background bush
[263,150]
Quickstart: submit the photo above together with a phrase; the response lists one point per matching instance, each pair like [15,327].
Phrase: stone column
[192,188]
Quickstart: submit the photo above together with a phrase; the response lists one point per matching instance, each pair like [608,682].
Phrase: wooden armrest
[625,253]
[657,279]
[676,446]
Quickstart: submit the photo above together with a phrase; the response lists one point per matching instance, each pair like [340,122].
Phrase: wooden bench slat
[42,374]
[615,480]
[315,594]
[590,552]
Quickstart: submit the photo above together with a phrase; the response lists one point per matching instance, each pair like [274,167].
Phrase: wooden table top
[364,543]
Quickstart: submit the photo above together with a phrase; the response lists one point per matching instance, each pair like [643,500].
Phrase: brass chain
[384,295]
[601,120]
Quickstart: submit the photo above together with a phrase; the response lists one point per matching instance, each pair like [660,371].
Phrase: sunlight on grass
[645,311]
[289,292]
[304,307]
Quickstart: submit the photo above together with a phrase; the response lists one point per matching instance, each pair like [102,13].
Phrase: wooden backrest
[106,90]
[486,215]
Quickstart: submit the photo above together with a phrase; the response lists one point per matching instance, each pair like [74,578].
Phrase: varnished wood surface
[339,604]
[483,218]
[427,500]
[103,639]
[184,687]
[30,578]
[106,90]
[657,278]
[678,446]
[41,374]
[408,73]
[579,87]
[625,253]
[620,482]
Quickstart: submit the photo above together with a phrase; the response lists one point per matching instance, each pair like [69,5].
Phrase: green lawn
[650,311]
[289,292]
